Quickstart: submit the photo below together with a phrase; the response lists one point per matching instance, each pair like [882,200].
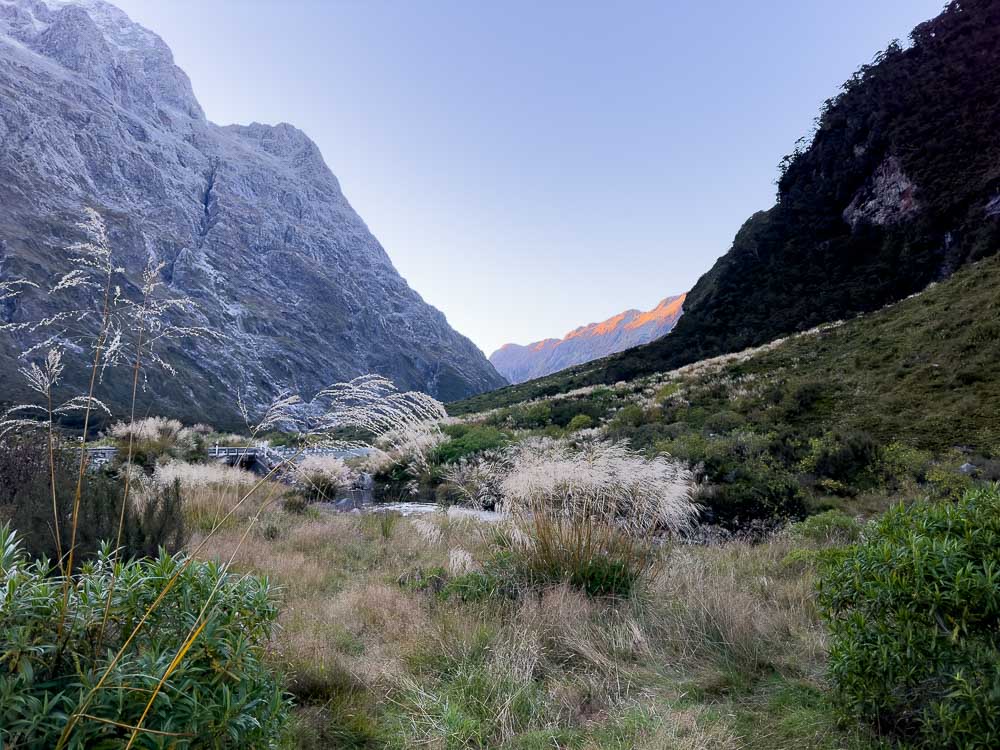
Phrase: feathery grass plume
[478,480]
[460,562]
[372,404]
[601,480]
[429,531]
[590,513]
[11,289]
[281,411]
[138,328]
[323,477]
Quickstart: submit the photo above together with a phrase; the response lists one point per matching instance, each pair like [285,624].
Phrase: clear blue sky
[534,166]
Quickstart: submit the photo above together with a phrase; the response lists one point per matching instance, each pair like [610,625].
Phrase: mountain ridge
[586,343]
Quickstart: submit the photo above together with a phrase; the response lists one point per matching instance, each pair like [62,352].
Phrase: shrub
[830,527]
[536,415]
[628,418]
[947,482]
[901,462]
[849,458]
[472,439]
[745,482]
[152,519]
[580,422]
[913,611]
[220,695]
[803,399]
[724,421]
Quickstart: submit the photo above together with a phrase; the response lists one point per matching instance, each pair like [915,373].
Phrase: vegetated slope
[900,403]
[248,221]
[627,329]
[900,186]
[923,370]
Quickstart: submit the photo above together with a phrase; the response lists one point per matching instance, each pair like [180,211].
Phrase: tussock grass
[718,644]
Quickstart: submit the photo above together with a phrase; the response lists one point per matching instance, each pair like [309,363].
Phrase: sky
[531,167]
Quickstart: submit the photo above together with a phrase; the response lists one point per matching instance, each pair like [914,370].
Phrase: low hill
[923,369]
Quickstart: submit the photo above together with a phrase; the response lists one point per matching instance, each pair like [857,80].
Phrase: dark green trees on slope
[899,187]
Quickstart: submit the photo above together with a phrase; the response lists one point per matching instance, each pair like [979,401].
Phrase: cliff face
[586,343]
[248,220]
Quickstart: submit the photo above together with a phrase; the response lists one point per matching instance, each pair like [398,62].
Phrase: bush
[153,517]
[580,422]
[849,458]
[724,421]
[469,440]
[913,611]
[745,482]
[628,418]
[220,695]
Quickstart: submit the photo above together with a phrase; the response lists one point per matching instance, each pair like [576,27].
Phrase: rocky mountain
[631,328]
[898,187]
[248,221]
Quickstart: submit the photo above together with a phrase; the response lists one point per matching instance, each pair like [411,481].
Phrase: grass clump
[913,613]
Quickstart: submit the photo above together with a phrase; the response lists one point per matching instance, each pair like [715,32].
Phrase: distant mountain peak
[630,328]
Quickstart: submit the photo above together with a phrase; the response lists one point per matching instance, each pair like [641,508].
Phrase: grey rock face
[887,197]
[249,221]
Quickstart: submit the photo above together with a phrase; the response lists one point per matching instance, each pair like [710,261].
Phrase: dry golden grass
[411,668]
[737,602]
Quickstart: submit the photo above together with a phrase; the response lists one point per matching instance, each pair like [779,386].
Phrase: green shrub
[947,482]
[901,462]
[468,441]
[744,482]
[26,503]
[803,398]
[628,418]
[536,415]
[220,695]
[580,422]
[849,458]
[724,421]
[564,410]
[914,611]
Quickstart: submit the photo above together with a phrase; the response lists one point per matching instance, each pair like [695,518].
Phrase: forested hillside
[899,187]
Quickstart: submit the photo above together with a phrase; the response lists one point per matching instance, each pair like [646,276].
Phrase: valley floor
[388,641]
